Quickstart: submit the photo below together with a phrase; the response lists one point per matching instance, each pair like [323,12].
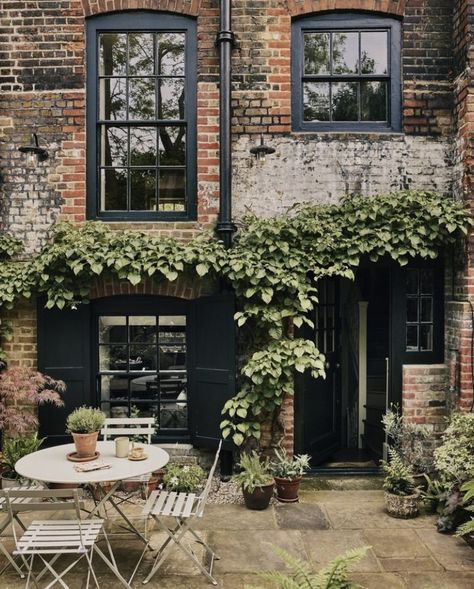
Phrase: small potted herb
[85,424]
[256,481]
[288,473]
[13,450]
[401,494]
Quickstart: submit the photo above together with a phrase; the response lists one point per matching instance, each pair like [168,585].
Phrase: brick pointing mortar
[322,168]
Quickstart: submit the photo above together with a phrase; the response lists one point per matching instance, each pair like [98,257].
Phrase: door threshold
[345,471]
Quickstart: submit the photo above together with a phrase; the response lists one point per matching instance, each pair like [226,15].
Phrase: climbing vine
[273,267]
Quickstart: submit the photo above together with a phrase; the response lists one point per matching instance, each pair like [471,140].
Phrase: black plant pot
[259,498]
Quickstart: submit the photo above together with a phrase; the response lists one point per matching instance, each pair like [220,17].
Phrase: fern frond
[334,575]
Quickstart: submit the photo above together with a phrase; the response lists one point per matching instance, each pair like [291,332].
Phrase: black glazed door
[319,403]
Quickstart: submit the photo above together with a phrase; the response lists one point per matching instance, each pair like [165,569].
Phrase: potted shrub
[256,481]
[288,473]
[401,494]
[85,424]
[13,450]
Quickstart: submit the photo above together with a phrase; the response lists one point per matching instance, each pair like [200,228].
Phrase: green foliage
[255,472]
[15,448]
[183,478]
[454,459]
[273,267]
[467,529]
[333,576]
[85,420]
[398,475]
[289,468]
[9,246]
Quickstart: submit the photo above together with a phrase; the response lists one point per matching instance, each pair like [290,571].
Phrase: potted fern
[13,450]
[401,494]
[84,424]
[256,481]
[288,473]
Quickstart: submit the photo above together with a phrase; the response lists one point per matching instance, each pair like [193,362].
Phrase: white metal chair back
[128,426]
[207,488]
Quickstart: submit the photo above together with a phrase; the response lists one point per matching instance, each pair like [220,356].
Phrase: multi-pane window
[346,73]
[142,101]
[142,368]
[420,292]
[325,313]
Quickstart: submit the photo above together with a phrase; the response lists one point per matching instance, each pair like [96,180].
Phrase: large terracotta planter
[85,444]
[259,498]
[287,489]
[402,506]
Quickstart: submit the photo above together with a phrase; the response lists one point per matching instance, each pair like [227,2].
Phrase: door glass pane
[112,54]
[427,309]
[316,53]
[140,54]
[113,357]
[142,357]
[373,101]
[170,53]
[112,329]
[412,338]
[412,310]
[344,101]
[316,101]
[345,53]
[171,99]
[174,415]
[427,281]
[142,329]
[145,387]
[114,388]
[426,337]
[373,52]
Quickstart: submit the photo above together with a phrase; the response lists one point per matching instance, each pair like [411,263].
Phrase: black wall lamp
[261,151]
[34,153]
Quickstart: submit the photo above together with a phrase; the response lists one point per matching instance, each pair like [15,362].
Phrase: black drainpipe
[225,228]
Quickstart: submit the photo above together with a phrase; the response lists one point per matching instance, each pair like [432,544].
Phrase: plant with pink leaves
[22,390]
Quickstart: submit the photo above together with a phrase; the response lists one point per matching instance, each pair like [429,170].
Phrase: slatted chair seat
[45,537]
[183,507]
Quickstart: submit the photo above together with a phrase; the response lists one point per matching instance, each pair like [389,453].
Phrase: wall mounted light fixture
[34,153]
[261,151]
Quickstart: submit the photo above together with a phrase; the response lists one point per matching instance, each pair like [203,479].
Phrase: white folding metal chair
[128,426]
[184,507]
[56,537]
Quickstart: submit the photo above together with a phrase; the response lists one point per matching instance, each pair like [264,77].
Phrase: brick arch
[300,7]
[189,7]
[184,287]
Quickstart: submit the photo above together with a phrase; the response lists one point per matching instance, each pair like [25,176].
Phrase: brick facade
[42,69]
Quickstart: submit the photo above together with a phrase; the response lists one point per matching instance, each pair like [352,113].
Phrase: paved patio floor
[404,553]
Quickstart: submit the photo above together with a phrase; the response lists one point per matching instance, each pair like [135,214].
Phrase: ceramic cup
[137,452]
[121,447]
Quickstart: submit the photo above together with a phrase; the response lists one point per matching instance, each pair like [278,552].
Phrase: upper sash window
[141,89]
[346,73]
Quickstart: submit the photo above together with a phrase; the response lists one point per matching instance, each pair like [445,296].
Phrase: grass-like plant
[254,472]
[333,576]
[85,420]
[183,478]
[398,475]
[285,467]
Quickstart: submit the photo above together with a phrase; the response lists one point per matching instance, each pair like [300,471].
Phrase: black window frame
[142,21]
[332,23]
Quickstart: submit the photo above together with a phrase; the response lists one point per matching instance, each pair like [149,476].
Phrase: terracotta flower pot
[131,485]
[402,506]
[259,498]
[85,444]
[287,489]
[149,486]
[99,491]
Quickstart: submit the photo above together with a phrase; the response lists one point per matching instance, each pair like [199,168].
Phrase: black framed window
[420,303]
[142,368]
[141,90]
[346,73]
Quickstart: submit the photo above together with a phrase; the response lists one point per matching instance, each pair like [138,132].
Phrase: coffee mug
[121,447]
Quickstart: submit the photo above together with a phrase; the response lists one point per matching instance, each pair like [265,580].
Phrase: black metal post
[225,227]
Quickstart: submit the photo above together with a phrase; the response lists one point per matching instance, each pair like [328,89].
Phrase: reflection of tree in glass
[316,53]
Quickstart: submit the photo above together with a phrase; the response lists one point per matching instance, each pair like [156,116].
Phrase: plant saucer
[143,457]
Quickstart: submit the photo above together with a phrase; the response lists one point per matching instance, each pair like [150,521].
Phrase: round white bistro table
[50,465]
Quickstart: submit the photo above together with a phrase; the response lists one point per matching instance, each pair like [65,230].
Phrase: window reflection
[419,309]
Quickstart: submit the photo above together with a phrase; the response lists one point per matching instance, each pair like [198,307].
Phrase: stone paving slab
[323,546]
[439,581]
[379,580]
[300,517]
[371,514]
[235,517]
[395,543]
[451,552]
